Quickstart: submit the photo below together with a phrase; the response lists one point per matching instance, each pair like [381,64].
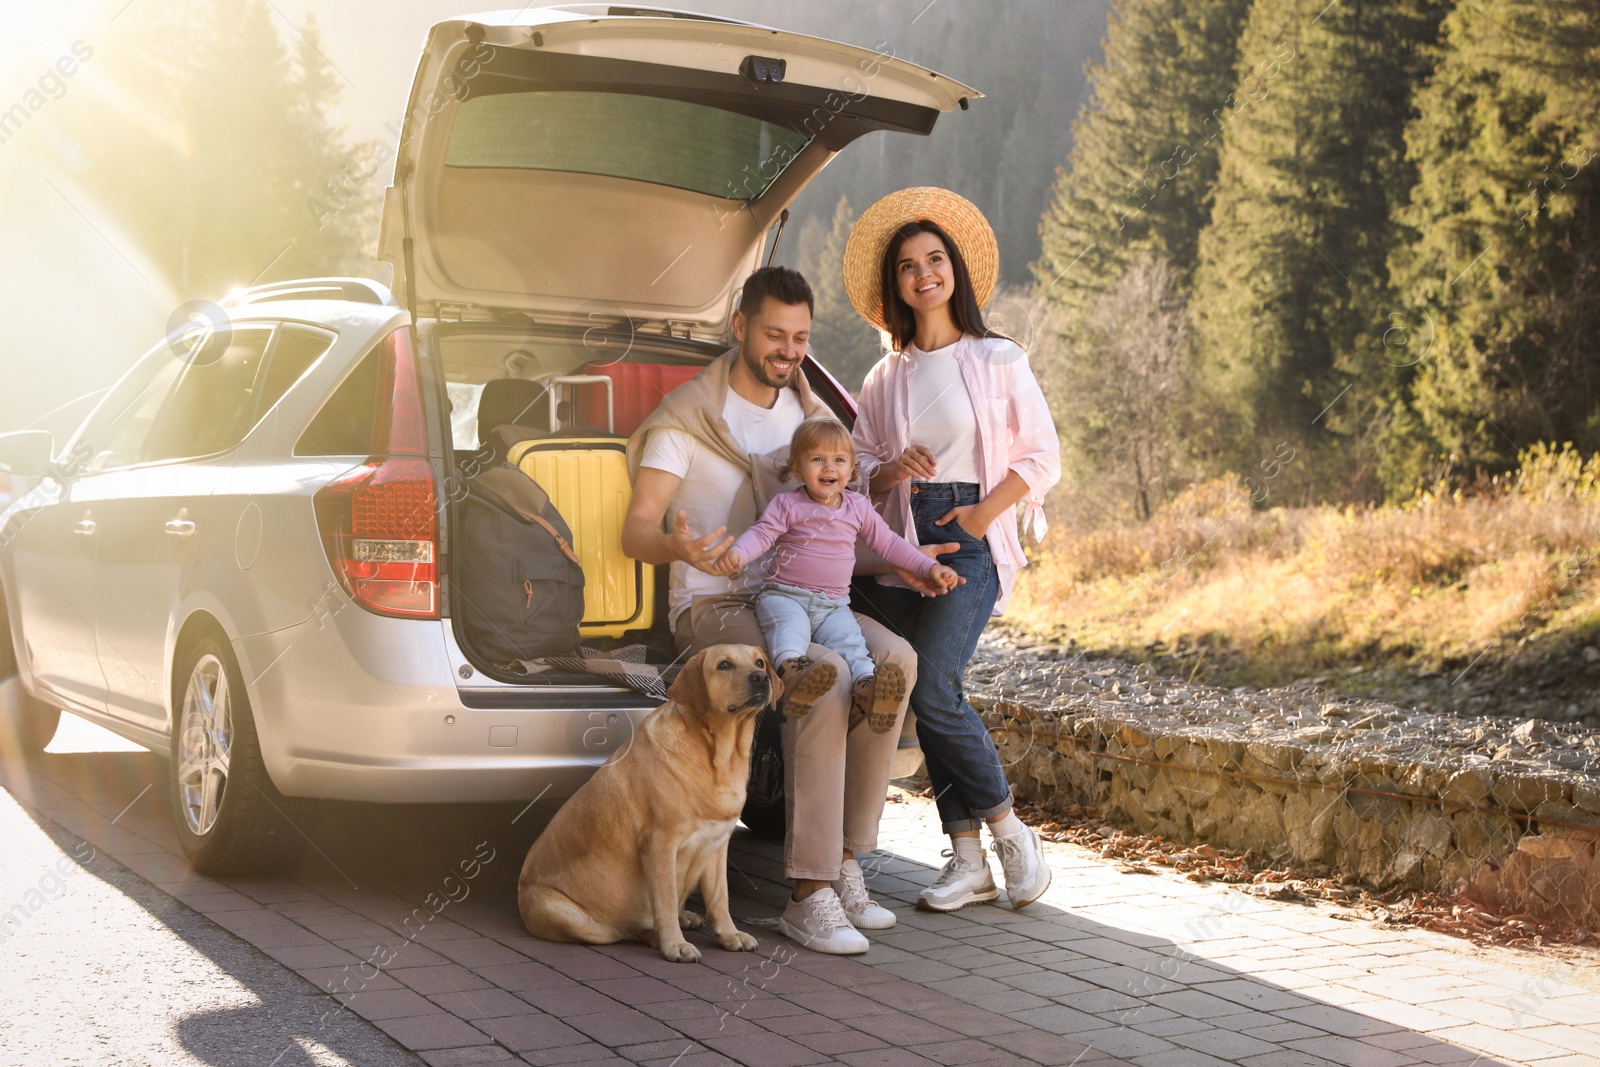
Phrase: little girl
[806,596]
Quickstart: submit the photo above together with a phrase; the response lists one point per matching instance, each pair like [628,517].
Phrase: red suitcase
[639,389]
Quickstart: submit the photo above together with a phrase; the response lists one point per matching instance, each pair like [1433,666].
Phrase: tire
[764,799]
[26,723]
[765,820]
[229,817]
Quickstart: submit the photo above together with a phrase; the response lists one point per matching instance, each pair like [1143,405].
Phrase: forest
[1365,232]
[1310,285]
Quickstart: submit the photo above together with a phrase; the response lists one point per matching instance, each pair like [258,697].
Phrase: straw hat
[954,214]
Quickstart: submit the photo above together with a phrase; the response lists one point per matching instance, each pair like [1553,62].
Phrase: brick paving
[1108,968]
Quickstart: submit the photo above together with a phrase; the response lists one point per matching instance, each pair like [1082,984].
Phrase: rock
[1225,754]
[1534,731]
[1524,792]
[1484,837]
[1276,757]
[1132,736]
[1429,833]
[1308,825]
[1591,654]
[1405,869]
[1556,812]
[1470,786]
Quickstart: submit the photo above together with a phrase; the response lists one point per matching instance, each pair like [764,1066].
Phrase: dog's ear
[689,687]
[772,676]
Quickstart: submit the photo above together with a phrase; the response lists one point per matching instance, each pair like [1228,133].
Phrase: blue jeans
[792,618]
[969,783]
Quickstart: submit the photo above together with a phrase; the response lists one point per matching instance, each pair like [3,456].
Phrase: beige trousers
[836,770]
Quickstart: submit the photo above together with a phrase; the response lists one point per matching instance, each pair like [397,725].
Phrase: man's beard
[758,368]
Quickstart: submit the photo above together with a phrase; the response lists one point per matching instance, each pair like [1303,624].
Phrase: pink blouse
[1015,433]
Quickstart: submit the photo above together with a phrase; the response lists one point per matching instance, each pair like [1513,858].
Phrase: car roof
[546,16]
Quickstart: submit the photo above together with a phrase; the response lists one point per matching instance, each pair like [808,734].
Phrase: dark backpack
[520,588]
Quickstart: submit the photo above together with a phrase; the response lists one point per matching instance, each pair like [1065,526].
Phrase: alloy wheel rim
[205,744]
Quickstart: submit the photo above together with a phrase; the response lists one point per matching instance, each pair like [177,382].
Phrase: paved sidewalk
[1162,971]
[1108,968]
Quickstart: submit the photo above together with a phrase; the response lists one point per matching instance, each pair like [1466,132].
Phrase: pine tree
[231,141]
[346,180]
[1025,56]
[1144,150]
[841,339]
[1135,190]
[1291,292]
[1504,272]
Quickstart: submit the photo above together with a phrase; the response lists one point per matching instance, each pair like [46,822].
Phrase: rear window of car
[620,135]
[226,386]
[345,424]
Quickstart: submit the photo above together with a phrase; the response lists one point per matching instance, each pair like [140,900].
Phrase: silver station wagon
[243,559]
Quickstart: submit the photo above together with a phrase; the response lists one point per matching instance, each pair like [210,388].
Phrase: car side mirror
[27,453]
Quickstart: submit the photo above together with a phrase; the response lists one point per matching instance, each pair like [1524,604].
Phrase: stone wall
[1389,821]
[1335,786]
[1328,783]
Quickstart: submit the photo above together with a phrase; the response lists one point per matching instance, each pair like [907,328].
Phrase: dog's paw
[688,920]
[738,941]
[680,952]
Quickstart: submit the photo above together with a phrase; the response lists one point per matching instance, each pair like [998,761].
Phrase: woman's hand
[931,585]
[915,462]
[967,516]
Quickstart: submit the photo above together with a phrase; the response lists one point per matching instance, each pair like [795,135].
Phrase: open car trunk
[581,186]
[563,163]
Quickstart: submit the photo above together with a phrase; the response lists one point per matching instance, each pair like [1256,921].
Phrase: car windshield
[643,138]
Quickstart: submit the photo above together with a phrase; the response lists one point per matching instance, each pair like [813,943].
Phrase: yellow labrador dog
[620,858]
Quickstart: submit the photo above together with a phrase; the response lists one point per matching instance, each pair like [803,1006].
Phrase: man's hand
[700,553]
[915,462]
[727,565]
[929,586]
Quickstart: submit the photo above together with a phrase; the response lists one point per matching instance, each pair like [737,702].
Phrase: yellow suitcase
[587,479]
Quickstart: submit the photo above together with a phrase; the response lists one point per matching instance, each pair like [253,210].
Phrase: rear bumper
[368,709]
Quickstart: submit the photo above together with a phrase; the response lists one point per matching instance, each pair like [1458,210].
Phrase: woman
[953,434]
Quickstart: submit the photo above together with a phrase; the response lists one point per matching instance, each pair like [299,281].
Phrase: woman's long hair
[898,318]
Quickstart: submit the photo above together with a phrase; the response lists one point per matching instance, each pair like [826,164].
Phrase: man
[711,456]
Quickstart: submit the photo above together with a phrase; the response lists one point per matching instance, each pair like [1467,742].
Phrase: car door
[56,534]
[155,516]
[581,168]
[53,548]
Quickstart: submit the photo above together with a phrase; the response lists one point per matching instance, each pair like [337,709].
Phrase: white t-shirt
[942,417]
[710,482]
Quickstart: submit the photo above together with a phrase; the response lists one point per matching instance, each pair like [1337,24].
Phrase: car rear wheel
[764,796]
[26,723]
[230,818]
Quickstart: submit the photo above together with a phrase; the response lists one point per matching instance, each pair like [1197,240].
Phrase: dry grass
[1443,577]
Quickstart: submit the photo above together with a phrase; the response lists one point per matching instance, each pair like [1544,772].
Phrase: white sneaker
[819,923]
[863,912]
[1022,859]
[960,882]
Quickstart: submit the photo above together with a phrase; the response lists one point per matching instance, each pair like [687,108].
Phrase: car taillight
[379,522]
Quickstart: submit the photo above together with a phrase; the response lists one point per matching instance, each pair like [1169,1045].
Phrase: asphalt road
[98,966]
